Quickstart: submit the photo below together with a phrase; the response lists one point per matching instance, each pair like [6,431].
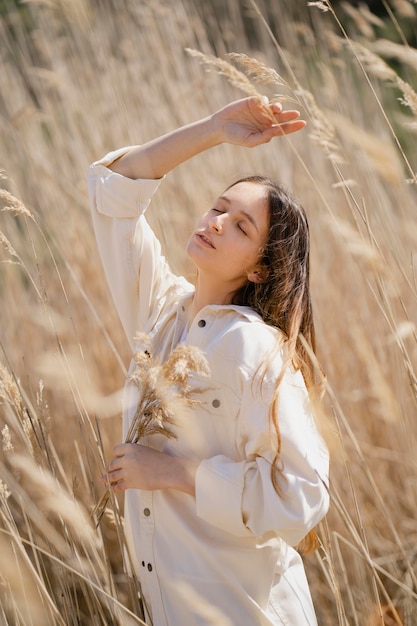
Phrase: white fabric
[223,557]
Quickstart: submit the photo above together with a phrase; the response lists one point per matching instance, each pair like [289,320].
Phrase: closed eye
[238,224]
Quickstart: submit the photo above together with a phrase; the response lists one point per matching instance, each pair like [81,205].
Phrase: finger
[291,127]
[287,116]
[120,449]
[276,107]
[261,109]
[115,476]
[278,130]
[115,464]
[120,486]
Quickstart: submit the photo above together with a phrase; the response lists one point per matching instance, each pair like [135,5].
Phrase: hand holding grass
[135,466]
[164,390]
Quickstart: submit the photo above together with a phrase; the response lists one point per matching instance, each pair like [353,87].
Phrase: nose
[216,224]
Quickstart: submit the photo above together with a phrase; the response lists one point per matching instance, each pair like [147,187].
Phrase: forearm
[157,157]
[181,474]
[135,466]
[166,471]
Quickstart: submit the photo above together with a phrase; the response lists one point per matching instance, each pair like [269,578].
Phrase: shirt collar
[244,311]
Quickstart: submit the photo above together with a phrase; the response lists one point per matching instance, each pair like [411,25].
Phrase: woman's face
[228,240]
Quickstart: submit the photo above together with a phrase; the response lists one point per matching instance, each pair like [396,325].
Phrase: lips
[203,238]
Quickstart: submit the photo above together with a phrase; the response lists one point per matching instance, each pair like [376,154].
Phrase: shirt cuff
[111,156]
[118,196]
[219,486]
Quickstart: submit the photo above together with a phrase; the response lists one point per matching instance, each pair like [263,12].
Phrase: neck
[207,293]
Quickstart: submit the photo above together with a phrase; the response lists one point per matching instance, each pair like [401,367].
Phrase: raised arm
[248,122]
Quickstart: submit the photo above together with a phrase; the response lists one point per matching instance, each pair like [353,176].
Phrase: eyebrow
[247,215]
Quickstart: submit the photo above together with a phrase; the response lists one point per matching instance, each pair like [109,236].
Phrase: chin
[193,251]
[189,251]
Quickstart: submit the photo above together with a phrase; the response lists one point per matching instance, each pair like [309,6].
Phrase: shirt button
[216,403]
[146,512]
[149,567]
[201,323]
[143,563]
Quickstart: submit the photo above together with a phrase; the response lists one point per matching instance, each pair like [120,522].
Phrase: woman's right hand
[253,121]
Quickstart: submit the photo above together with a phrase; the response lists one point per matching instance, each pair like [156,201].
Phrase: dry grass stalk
[5,493]
[9,392]
[379,153]
[21,597]
[253,70]
[322,131]
[8,246]
[164,389]
[405,54]
[54,500]
[7,439]
[22,418]
[323,6]
[14,204]
[257,71]
[356,244]
[371,62]
[409,97]
[363,19]
[262,74]
[405,8]
[224,68]
[63,552]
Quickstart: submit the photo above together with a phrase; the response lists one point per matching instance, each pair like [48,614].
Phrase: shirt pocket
[208,427]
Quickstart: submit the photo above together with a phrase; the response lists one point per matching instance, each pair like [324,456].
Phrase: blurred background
[80,78]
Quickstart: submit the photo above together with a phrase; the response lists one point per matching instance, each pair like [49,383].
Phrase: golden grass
[77,81]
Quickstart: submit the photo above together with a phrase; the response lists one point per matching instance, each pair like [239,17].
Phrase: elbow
[312,507]
[321,506]
[321,500]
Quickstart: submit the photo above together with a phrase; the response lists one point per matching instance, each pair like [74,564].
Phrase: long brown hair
[283,299]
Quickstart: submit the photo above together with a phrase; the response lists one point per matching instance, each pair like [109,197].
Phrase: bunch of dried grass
[164,389]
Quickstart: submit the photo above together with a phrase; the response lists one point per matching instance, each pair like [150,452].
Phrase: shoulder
[245,339]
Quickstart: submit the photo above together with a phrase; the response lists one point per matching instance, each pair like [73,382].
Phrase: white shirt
[222,558]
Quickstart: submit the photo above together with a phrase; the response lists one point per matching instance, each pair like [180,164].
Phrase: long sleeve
[237,495]
[139,278]
[304,461]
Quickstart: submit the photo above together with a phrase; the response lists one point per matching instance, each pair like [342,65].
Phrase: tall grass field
[80,78]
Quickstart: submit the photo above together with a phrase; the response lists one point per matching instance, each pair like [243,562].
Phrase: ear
[259,274]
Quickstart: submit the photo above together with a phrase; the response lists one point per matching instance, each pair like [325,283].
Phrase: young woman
[212,516]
